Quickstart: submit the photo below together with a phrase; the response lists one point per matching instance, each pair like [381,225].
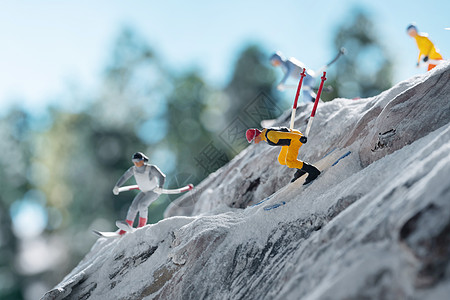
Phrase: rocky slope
[374,226]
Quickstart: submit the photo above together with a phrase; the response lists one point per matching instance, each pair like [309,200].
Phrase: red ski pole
[294,108]
[313,113]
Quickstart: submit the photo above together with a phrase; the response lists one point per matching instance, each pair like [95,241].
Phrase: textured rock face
[374,226]
[375,127]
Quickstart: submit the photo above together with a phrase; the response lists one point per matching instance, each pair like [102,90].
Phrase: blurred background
[84,85]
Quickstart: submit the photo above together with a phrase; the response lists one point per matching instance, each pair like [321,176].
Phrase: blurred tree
[15,147]
[69,166]
[252,86]
[85,152]
[187,135]
[366,69]
[251,98]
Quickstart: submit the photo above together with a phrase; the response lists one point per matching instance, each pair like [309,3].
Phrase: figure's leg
[312,95]
[282,155]
[292,153]
[293,162]
[132,211]
[134,207]
[149,198]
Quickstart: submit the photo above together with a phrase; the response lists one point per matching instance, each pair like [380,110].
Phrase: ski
[273,206]
[106,234]
[261,202]
[159,190]
[330,159]
[339,159]
[123,225]
[433,62]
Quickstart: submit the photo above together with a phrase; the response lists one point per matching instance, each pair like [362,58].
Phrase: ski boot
[312,171]
[129,222]
[298,174]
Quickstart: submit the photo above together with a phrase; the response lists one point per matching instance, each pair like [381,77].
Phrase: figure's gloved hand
[425,59]
[116,190]
[303,139]
[417,65]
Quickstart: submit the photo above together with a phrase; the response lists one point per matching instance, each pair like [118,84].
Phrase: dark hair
[411,26]
[140,156]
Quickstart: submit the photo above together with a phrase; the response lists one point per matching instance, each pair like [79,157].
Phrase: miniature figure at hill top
[426,47]
[292,68]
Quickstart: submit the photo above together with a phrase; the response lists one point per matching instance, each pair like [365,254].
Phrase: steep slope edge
[376,225]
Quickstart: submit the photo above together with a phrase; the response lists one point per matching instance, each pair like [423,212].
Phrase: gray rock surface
[374,226]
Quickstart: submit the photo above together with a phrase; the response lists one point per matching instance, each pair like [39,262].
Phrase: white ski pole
[341,52]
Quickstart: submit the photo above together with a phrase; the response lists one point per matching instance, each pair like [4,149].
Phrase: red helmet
[251,134]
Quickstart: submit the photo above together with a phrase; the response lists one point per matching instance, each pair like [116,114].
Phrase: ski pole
[313,113]
[341,52]
[294,108]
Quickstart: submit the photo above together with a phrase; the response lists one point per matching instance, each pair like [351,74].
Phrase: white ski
[159,190]
[433,62]
[125,226]
[106,234]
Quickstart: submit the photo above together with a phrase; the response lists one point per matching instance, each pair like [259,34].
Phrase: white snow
[371,226]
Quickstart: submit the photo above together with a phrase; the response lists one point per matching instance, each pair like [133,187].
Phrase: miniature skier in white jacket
[292,68]
[148,177]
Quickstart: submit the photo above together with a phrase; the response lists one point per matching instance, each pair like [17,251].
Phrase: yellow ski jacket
[281,136]
[426,47]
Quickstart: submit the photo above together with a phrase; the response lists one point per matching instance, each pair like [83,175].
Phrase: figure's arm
[279,135]
[155,171]
[282,84]
[425,48]
[428,46]
[127,175]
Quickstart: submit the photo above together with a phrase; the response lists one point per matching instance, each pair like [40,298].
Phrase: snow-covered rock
[374,226]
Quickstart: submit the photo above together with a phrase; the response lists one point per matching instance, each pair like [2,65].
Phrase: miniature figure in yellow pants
[290,141]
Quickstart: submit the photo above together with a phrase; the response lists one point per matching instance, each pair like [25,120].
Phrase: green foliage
[252,77]
[72,159]
[68,161]
[366,69]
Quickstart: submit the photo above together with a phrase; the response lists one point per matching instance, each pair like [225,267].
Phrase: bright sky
[45,45]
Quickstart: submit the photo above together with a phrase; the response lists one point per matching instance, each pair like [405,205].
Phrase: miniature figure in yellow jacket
[290,141]
[426,47]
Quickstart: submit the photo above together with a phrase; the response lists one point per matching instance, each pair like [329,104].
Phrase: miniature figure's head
[253,135]
[139,159]
[276,59]
[411,30]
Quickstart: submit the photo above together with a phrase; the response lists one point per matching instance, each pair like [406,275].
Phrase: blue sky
[46,45]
